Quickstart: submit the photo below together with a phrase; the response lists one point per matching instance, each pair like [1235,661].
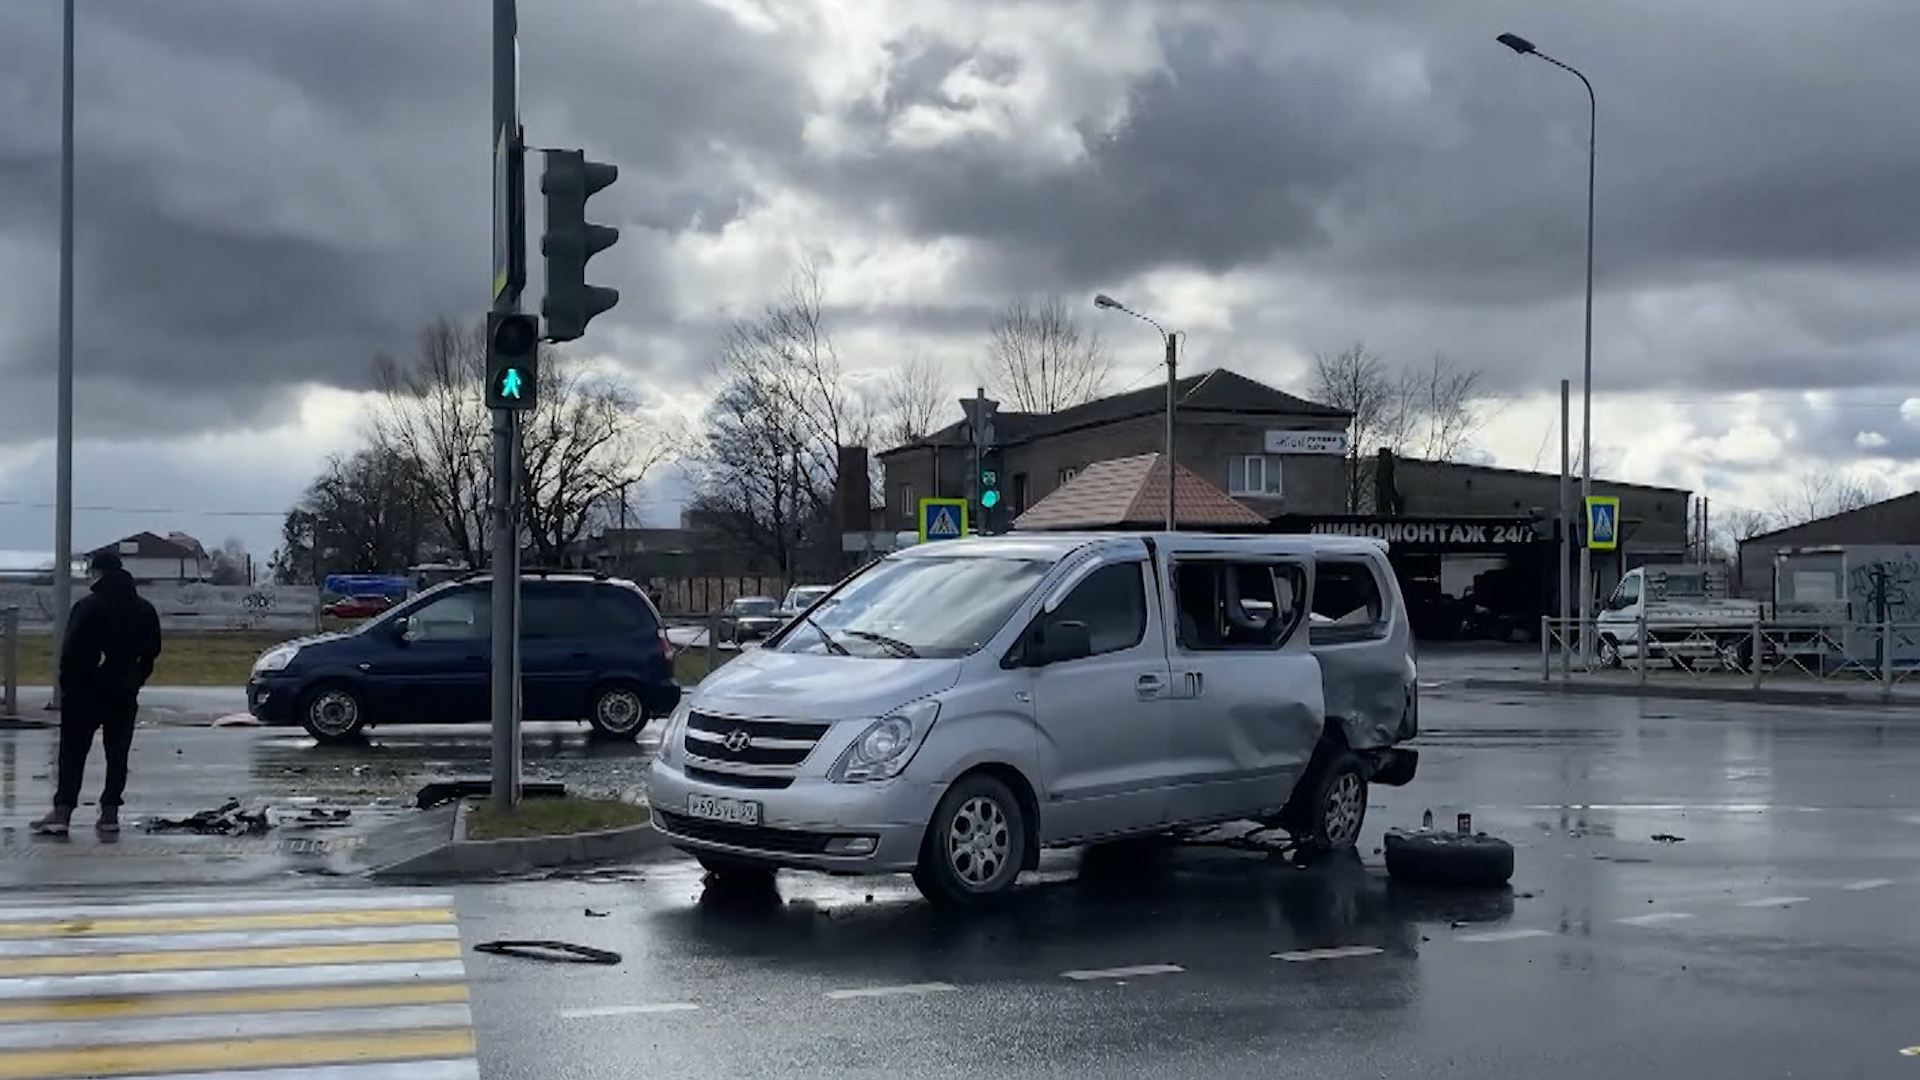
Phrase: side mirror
[402,629]
[1059,642]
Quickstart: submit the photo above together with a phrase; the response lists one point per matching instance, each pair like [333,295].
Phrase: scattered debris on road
[1667,838]
[556,952]
[228,820]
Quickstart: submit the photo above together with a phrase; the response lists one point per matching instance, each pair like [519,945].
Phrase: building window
[1067,474]
[1019,493]
[906,500]
[1254,474]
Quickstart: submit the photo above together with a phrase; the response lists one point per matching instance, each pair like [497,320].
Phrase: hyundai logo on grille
[737,740]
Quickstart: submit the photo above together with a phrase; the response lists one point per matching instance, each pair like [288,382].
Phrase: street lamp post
[1524,47]
[63,377]
[1108,303]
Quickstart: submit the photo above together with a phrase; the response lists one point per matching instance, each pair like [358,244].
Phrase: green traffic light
[989,499]
[510,383]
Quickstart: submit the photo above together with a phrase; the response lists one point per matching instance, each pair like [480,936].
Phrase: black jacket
[113,638]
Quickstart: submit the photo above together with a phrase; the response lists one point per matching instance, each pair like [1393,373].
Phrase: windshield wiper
[833,646]
[892,645]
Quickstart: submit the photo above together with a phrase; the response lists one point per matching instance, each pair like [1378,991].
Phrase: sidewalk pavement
[1517,668]
[162,705]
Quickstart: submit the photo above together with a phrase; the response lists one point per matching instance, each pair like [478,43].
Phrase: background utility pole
[509,279]
[1173,358]
[63,379]
[1566,532]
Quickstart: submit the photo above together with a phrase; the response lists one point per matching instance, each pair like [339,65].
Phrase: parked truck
[1690,620]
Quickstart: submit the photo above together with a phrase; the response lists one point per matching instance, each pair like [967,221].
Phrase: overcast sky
[270,191]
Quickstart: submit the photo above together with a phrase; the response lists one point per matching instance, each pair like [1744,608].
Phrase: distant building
[1894,521]
[150,557]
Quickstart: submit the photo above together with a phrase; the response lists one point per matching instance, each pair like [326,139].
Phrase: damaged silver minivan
[956,707]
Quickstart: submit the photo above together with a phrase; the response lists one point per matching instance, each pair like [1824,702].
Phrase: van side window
[1347,602]
[1112,604]
[1237,605]
[457,616]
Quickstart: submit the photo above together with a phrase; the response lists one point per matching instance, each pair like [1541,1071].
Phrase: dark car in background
[591,648]
[750,618]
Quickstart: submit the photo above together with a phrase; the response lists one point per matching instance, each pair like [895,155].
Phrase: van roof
[1053,546]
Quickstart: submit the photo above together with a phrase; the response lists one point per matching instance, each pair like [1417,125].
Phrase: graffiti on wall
[189,605]
[1884,586]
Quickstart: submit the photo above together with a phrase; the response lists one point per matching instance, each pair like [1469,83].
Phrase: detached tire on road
[1432,857]
[737,872]
[974,844]
[333,713]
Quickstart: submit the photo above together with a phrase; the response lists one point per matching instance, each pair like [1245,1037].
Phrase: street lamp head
[1517,44]
[1103,301]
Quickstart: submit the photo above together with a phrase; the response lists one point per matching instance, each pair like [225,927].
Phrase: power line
[28,505]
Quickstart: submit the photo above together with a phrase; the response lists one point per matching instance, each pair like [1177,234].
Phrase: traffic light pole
[509,243]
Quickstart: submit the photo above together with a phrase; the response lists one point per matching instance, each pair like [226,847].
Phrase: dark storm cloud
[268,194]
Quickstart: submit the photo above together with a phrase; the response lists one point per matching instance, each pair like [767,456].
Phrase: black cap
[104,562]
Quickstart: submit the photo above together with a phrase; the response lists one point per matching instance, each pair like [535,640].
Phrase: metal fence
[1881,655]
[9,661]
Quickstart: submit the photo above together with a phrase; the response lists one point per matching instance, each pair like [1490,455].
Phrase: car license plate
[731,811]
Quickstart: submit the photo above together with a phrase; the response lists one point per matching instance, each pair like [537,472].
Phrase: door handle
[1148,686]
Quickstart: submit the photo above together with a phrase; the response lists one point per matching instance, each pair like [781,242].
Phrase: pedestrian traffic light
[568,181]
[513,360]
[991,499]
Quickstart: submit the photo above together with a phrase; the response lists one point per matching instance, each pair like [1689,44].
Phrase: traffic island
[472,839]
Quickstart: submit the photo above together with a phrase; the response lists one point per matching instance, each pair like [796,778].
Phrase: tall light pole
[63,378]
[1524,47]
[1108,303]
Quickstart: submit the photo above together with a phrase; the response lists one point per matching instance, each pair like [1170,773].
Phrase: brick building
[1240,435]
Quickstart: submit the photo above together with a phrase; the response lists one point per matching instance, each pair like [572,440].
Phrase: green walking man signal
[513,360]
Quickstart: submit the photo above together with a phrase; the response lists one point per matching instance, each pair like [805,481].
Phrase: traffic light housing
[568,181]
[992,491]
[513,360]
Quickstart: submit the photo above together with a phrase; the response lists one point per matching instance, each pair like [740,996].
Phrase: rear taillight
[666,647]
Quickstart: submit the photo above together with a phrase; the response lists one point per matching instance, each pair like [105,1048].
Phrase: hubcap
[334,712]
[979,841]
[619,710]
[1346,801]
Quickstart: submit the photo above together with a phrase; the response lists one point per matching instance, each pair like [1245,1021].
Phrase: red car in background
[359,607]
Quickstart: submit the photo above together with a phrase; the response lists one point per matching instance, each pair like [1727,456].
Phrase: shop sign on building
[1330,443]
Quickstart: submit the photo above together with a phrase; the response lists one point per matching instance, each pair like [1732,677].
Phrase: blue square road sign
[1603,522]
[942,519]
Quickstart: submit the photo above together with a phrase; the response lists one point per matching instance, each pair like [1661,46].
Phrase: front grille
[740,780]
[768,742]
[752,837]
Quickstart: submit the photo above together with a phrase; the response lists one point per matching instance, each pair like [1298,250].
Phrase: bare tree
[1425,412]
[430,414]
[1822,492]
[577,447]
[1040,359]
[769,458]
[230,563]
[914,396]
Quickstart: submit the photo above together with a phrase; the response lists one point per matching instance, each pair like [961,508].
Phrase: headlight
[275,659]
[670,735]
[883,750]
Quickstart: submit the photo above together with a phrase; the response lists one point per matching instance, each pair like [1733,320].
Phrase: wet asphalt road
[1779,938]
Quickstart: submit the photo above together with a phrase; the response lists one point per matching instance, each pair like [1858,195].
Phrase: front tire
[333,713]
[973,848]
[737,872]
[618,711]
[1610,653]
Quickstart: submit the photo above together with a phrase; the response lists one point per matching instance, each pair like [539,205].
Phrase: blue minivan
[592,648]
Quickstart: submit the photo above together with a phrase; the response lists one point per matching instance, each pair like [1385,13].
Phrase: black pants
[79,719]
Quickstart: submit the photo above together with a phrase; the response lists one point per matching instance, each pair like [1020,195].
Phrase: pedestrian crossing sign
[942,519]
[1603,522]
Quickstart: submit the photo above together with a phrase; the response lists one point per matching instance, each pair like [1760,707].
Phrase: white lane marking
[629,1010]
[232,939]
[1504,935]
[1337,953]
[1775,901]
[129,984]
[891,991]
[1870,883]
[1123,972]
[446,1069]
[312,904]
[1656,919]
[122,1031]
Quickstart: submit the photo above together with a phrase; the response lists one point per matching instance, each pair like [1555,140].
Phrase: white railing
[1881,655]
[9,661]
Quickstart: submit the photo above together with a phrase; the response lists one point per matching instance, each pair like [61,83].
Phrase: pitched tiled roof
[1216,391]
[1131,492]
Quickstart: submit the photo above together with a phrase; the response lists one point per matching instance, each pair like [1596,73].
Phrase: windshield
[801,598]
[757,605]
[920,607]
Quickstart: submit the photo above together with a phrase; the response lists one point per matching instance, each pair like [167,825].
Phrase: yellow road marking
[361,1046]
[190,924]
[210,959]
[346,997]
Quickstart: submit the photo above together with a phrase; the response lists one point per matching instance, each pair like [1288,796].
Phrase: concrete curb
[460,857]
[1672,692]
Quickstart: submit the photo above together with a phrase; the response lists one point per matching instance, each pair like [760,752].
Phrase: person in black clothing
[113,638]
